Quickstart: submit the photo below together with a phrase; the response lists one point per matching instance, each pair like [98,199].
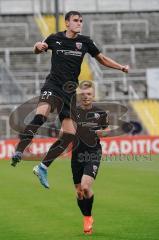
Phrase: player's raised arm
[108,62]
[40,47]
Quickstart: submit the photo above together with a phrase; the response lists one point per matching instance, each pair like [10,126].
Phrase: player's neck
[86,107]
[70,34]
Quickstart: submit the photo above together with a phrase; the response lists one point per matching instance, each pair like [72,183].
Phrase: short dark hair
[72,13]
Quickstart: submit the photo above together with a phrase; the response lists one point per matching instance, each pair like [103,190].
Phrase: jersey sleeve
[92,48]
[48,40]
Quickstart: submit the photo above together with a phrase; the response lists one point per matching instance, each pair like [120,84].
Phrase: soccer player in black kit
[86,155]
[68,50]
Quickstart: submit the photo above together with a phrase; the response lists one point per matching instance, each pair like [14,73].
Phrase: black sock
[29,132]
[88,206]
[58,148]
[81,204]
[85,205]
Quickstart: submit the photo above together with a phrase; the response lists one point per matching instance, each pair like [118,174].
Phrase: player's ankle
[19,153]
[43,166]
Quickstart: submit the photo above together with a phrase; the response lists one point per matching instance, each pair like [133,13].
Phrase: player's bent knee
[79,194]
[43,109]
[87,192]
[85,188]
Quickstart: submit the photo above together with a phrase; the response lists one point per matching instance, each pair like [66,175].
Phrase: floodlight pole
[57,14]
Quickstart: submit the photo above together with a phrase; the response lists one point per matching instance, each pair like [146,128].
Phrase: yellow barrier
[148,112]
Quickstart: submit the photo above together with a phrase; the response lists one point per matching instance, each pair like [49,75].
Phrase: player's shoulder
[62,36]
[55,36]
[78,108]
[59,35]
[95,108]
[84,38]
[80,111]
[99,111]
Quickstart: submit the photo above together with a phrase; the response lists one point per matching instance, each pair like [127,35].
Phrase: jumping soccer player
[87,154]
[68,50]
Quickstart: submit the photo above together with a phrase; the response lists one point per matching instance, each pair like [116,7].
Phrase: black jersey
[67,57]
[89,120]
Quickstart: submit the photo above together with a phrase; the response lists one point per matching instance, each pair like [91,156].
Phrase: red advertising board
[136,145]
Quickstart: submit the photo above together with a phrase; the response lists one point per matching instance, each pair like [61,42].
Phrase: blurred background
[126,30]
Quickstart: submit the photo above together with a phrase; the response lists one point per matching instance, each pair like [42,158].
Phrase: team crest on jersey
[97,115]
[95,168]
[78,45]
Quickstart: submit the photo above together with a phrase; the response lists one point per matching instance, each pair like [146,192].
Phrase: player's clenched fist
[125,68]
[40,47]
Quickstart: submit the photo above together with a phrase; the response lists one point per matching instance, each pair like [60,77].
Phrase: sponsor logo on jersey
[69,52]
[59,43]
[78,45]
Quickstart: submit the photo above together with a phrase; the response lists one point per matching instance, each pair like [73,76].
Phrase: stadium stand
[10,90]
[126,37]
[18,31]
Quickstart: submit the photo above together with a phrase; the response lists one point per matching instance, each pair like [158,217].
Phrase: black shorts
[85,163]
[64,102]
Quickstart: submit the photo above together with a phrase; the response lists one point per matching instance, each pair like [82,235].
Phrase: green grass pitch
[126,202]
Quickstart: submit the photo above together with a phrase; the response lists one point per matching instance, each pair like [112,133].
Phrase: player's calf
[29,132]
[58,148]
[26,137]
